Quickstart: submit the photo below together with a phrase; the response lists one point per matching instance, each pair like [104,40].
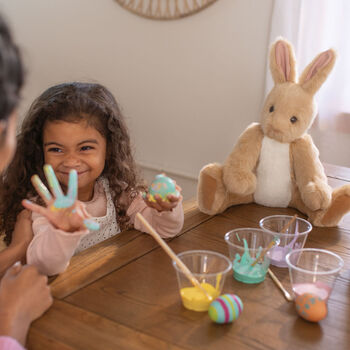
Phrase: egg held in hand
[162,186]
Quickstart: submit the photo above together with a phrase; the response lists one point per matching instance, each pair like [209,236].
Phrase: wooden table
[123,294]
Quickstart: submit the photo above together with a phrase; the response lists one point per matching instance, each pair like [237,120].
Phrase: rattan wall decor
[165,9]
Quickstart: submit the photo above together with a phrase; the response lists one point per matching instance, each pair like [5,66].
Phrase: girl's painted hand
[65,212]
[160,204]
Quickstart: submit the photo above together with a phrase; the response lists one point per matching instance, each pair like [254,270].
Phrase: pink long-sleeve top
[8,343]
[51,249]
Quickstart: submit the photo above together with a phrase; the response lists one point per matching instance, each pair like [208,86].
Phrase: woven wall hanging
[165,9]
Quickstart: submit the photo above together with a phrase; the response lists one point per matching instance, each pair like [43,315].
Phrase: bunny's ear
[317,71]
[282,62]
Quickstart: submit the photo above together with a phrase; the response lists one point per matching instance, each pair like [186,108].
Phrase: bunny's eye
[272,108]
[293,119]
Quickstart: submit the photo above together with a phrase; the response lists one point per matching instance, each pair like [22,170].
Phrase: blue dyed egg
[163,186]
[226,308]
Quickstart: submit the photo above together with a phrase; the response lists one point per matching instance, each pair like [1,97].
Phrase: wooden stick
[290,222]
[273,242]
[280,286]
[272,275]
[269,246]
[173,256]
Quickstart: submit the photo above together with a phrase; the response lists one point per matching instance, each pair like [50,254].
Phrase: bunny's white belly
[274,186]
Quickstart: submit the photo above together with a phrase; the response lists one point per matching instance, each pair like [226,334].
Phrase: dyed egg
[163,186]
[226,308]
[311,307]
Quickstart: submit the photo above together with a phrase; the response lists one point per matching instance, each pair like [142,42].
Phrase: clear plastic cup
[210,269]
[294,237]
[313,271]
[245,245]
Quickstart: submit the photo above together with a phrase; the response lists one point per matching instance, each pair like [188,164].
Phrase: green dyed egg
[163,186]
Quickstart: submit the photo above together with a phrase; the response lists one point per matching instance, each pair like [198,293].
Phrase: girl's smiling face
[75,145]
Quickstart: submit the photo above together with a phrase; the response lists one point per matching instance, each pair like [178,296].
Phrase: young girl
[79,126]
[24,294]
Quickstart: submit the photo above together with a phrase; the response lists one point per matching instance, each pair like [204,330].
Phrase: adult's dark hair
[11,72]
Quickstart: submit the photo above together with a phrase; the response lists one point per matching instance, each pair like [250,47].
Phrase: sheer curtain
[313,26]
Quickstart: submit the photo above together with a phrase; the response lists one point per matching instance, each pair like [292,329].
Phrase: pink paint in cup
[313,271]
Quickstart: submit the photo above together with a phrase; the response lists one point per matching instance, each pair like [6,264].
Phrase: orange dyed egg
[311,307]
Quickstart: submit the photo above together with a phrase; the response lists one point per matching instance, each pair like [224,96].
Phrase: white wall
[187,87]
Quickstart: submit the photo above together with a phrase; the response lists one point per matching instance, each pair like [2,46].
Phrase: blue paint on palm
[52,180]
[73,185]
[62,201]
[67,201]
[163,186]
[91,224]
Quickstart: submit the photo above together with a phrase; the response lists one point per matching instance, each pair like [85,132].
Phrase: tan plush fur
[287,114]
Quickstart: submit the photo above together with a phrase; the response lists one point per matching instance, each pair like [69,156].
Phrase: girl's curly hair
[70,102]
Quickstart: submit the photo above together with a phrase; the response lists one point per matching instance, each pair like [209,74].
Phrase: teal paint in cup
[245,245]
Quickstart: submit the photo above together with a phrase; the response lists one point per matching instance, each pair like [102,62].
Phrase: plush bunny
[275,162]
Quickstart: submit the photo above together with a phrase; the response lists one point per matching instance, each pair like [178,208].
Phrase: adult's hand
[24,296]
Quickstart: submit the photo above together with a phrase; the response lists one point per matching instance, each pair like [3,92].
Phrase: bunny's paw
[317,195]
[242,183]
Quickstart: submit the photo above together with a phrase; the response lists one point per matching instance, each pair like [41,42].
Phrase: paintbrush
[173,256]
[272,275]
[275,240]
